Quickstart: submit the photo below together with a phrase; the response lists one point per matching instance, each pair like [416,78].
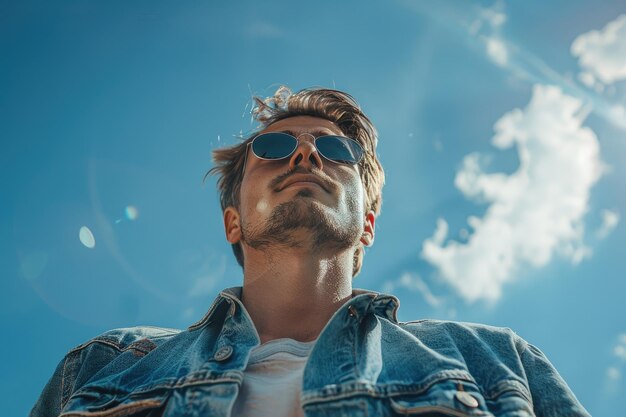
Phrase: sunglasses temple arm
[245,160]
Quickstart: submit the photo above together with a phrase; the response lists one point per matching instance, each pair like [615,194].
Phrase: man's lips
[298,179]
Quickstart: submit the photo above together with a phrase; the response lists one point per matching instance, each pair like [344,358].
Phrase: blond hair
[333,105]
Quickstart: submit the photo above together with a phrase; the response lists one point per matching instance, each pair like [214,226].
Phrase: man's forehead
[304,124]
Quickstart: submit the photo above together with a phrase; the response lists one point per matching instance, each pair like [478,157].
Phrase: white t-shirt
[273,380]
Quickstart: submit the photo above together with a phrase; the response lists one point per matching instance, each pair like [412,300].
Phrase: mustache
[324,178]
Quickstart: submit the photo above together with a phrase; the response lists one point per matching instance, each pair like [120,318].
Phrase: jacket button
[223,353]
[466,399]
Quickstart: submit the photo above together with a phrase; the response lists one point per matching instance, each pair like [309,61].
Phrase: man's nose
[306,154]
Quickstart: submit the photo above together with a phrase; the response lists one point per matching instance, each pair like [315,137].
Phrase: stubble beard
[303,214]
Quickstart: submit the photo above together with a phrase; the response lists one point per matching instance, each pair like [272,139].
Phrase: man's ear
[367,238]
[232,225]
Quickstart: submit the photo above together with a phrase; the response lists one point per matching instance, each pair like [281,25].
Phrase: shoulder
[141,338]
[455,326]
[116,350]
[465,333]
[123,346]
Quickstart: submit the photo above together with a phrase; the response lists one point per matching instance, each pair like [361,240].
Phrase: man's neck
[291,294]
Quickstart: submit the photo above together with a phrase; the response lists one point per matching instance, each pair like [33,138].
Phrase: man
[300,199]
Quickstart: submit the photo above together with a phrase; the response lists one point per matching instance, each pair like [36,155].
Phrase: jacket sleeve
[550,393]
[49,402]
[76,369]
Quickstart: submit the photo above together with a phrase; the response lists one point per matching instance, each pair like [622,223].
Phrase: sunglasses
[277,145]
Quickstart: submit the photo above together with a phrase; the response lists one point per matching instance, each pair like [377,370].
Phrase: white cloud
[613,373]
[202,286]
[414,282]
[587,79]
[617,115]
[494,15]
[619,350]
[533,213]
[610,219]
[206,276]
[497,50]
[440,232]
[603,52]
[486,27]
[490,17]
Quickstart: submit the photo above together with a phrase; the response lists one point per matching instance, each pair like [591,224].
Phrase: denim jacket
[364,363]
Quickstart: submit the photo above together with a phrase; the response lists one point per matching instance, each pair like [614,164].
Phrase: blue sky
[502,131]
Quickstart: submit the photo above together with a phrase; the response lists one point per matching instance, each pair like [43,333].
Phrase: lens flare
[86,237]
[33,264]
[131,212]
[262,206]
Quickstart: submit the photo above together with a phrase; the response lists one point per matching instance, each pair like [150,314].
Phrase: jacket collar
[361,303]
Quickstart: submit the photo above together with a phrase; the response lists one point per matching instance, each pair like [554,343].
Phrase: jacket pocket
[510,397]
[449,397]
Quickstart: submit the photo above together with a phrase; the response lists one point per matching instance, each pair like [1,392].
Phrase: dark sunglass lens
[339,149]
[274,145]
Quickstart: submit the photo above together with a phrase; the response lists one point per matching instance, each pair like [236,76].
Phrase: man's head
[329,208]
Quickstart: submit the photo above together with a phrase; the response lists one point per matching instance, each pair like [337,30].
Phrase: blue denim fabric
[365,363]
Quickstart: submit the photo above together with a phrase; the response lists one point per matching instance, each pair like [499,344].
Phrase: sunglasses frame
[249,145]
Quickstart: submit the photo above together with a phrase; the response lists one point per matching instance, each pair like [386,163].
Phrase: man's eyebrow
[315,133]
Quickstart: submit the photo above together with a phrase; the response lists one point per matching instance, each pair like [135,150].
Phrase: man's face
[303,199]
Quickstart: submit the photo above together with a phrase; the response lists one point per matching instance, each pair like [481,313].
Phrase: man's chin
[301,222]
[308,204]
